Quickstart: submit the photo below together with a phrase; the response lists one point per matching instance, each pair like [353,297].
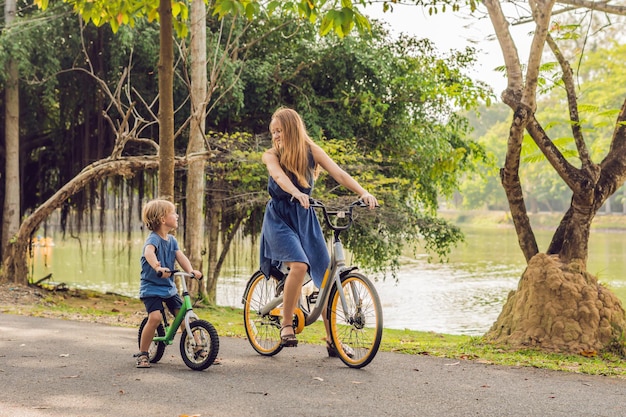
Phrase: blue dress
[291,233]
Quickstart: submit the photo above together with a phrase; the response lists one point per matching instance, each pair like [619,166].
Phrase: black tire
[203,337]
[156,350]
[263,332]
[357,333]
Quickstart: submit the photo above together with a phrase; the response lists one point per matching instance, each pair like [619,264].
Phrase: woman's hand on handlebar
[369,200]
[302,198]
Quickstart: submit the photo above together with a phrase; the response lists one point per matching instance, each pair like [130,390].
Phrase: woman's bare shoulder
[319,154]
[270,154]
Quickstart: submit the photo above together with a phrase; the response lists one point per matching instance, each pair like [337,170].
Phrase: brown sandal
[143,360]
[288,340]
[200,354]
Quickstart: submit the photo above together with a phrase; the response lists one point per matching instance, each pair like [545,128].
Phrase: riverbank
[119,310]
[543,220]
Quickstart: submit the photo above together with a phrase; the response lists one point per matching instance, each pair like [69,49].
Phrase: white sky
[456,31]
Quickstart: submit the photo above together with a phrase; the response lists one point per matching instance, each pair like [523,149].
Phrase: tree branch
[542,11]
[601,6]
[566,171]
[509,52]
[572,101]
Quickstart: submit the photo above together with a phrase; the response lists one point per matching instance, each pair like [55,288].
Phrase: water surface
[463,296]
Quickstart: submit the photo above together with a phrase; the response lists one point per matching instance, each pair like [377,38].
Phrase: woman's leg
[326,325]
[291,294]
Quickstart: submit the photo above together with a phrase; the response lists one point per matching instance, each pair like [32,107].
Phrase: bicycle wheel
[156,349]
[263,332]
[199,349]
[357,332]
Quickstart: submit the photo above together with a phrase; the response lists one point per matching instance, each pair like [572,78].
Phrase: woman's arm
[341,176]
[270,159]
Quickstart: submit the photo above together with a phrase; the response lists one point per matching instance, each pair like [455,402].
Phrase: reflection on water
[463,296]
[445,299]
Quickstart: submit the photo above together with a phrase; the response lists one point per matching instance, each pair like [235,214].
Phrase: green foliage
[117,13]
[434,7]
[339,17]
[391,105]
[387,115]
[601,69]
[250,9]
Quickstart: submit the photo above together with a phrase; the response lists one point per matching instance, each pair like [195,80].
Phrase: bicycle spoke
[358,330]
[263,331]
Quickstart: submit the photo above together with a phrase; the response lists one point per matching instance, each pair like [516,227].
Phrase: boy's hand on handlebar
[163,272]
[166,273]
[197,274]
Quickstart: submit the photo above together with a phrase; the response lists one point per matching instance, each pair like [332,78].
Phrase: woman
[291,233]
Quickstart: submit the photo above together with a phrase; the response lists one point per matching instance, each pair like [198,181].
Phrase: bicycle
[352,304]
[197,336]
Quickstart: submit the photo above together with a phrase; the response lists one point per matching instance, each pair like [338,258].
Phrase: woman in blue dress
[291,233]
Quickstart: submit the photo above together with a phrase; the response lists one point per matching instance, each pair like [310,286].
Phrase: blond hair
[294,155]
[154,211]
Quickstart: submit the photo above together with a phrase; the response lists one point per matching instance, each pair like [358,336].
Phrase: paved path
[63,369]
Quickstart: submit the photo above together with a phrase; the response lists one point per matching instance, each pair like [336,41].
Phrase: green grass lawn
[229,322]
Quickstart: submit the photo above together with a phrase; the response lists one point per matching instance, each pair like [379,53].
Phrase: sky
[456,31]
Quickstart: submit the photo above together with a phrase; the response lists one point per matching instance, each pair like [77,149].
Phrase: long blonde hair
[296,145]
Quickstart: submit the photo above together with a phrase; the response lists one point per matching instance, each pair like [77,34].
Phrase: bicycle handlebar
[339,213]
[181,273]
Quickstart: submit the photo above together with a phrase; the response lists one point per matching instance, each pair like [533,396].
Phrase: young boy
[160,252]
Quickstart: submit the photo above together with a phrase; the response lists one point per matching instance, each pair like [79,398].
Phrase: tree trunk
[15,264]
[194,224]
[166,102]
[12,189]
[214,213]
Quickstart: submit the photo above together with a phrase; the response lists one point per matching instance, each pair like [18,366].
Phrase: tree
[166,101]
[119,12]
[588,318]
[558,304]
[375,113]
[11,208]
[194,207]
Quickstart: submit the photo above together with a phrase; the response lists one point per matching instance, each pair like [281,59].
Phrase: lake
[462,296]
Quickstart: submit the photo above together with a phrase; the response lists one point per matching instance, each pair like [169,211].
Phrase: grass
[118,310]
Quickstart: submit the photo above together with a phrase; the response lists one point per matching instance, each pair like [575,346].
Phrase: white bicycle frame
[335,270]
